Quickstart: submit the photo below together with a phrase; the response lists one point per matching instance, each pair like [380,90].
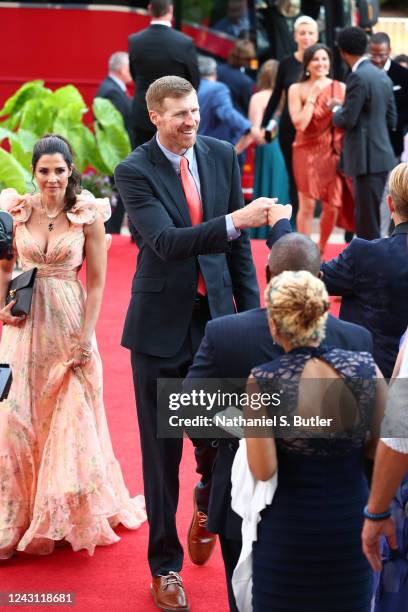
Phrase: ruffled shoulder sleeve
[88,208]
[18,206]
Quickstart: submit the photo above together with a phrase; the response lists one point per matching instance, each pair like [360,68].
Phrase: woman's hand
[317,87]
[80,356]
[7,318]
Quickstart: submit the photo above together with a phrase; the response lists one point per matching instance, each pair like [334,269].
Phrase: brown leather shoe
[168,593]
[200,541]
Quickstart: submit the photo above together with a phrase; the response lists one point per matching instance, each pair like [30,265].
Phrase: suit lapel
[165,175]
[206,170]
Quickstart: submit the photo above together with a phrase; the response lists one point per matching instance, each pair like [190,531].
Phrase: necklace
[51,217]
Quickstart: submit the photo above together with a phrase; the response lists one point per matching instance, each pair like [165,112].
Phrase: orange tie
[194,207]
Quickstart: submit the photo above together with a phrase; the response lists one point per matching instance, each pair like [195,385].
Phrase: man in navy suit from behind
[231,347]
[371,276]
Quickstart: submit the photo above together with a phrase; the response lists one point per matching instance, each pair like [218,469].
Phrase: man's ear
[153,115]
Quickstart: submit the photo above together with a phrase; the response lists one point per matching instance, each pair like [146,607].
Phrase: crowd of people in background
[195,313]
[291,108]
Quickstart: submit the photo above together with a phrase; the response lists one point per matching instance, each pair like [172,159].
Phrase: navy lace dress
[308,556]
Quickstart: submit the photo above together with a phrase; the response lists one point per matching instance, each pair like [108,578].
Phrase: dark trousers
[114,224]
[231,550]
[286,138]
[139,137]
[161,457]
[368,191]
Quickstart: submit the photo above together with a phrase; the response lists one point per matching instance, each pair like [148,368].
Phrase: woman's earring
[307,73]
[34,187]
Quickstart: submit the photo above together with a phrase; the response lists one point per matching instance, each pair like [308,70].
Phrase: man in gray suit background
[367,113]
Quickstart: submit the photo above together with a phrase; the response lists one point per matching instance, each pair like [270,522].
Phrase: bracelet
[85,350]
[376,517]
[311,100]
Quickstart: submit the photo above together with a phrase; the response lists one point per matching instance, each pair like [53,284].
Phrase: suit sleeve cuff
[277,231]
[232,232]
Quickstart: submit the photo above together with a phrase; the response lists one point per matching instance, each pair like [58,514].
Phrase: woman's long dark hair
[308,56]
[51,144]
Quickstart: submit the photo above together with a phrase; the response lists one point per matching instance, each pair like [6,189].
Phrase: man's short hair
[117,60]
[207,66]
[158,8]
[401,58]
[167,87]
[398,187]
[294,252]
[380,38]
[352,40]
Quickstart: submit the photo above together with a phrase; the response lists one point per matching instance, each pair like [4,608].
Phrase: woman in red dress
[316,150]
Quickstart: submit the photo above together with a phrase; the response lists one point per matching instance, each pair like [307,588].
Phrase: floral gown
[59,478]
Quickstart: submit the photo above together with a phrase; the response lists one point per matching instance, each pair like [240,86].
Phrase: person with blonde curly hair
[297,305]
[307,554]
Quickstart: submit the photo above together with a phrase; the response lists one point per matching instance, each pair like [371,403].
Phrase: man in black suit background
[155,52]
[189,270]
[380,55]
[113,88]
[367,113]
[231,347]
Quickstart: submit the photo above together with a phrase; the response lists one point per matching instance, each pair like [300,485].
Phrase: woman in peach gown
[59,477]
[317,146]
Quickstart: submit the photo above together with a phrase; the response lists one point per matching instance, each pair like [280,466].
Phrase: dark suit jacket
[372,278]
[240,85]
[165,282]
[231,347]
[155,52]
[399,77]
[367,113]
[110,90]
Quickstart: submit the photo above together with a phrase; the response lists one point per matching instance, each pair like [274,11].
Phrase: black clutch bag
[21,290]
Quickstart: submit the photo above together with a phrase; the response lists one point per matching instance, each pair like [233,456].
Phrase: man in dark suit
[113,88]
[231,347]
[367,113]
[190,268]
[380,55]
[372,276]
[155,52]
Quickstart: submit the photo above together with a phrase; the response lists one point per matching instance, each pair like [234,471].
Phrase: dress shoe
[168,593]
[200,541]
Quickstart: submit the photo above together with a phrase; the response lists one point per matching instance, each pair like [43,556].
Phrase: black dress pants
[231,550]
[368,191]
[161,456]
[286,137]
[114,224]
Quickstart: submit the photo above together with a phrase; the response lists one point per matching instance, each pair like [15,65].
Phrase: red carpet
[117,577]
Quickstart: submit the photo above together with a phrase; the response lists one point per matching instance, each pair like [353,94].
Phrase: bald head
[294,252]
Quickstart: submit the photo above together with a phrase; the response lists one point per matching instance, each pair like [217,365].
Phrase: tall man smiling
[183,195]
